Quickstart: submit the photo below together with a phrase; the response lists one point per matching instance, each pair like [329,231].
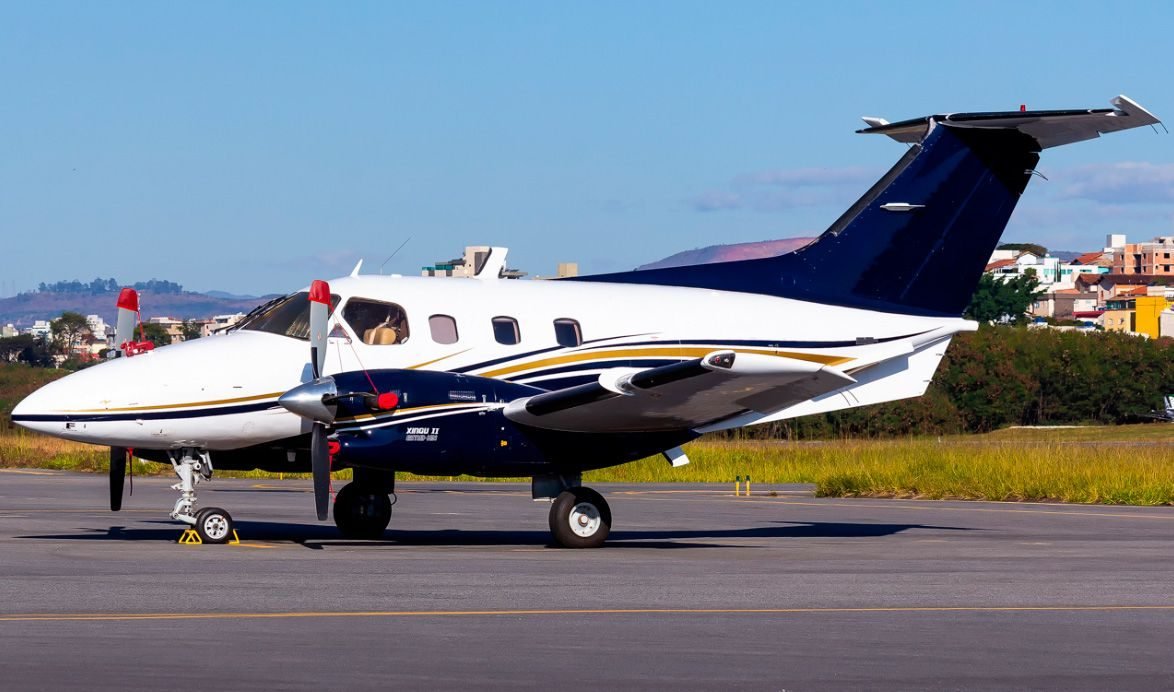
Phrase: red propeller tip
[128,299]
[320,292]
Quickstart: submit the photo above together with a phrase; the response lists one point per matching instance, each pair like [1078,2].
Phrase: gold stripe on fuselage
[658,352]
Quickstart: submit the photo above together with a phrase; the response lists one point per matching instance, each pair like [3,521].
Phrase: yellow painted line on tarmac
[107,617]
[29,472]
[715,492]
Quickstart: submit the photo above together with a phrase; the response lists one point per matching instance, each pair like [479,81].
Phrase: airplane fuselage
[220,393]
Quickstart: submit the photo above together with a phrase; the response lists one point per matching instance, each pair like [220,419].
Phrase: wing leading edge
[680,396]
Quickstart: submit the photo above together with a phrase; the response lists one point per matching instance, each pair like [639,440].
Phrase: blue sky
[250,147]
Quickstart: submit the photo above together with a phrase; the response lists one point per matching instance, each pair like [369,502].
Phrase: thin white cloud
[1125,182]
[784,189]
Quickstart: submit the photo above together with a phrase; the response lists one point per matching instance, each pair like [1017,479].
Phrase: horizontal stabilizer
[1048,128]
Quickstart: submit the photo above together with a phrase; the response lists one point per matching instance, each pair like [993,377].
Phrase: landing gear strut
[580,518]
[214,525]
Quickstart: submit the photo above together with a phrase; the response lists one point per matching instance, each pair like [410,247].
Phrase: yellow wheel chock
[190,537]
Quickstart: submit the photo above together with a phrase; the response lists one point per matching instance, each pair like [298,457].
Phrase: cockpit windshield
[288,316]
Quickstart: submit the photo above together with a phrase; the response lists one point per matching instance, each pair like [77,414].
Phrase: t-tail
[918,240]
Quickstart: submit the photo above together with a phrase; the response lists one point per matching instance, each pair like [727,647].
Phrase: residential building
[1046,269]
[1063,304]
[98,327]
[173,327]
[1104,259]
[218,323]
[1166,323]
[1155,257]
[8,331]
[468,265]
[40,329]
[1108,286]
[1148,309]
[1069,271]
[1119,315]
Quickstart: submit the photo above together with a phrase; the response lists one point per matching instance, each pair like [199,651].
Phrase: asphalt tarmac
[696,589]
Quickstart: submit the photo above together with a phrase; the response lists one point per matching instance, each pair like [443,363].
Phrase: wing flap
[680,396]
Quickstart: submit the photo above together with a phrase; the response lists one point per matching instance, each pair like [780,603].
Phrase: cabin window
[505,330]
[444,329]
[377,323]
[288,316]
[567,333]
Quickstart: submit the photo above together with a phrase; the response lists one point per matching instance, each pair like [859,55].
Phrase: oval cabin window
[444,329]
[505,330]
[567,333]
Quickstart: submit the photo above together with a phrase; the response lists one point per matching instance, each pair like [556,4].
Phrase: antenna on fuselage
[401,247]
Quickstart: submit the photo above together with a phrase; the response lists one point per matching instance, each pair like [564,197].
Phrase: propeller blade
[128,313]
[319,316]
[320,463]
[117,476]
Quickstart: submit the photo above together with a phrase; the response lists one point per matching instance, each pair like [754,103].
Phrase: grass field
[1109,465]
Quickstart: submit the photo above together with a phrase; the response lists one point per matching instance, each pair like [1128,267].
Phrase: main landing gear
[214,525]
[579,516]
[362,509]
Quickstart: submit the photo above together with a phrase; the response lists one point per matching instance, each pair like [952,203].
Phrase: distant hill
[730,253]
[26,308]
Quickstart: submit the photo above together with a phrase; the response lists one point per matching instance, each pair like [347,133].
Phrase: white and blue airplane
[548,379]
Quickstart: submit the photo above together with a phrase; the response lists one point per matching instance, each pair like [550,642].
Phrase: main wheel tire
[580,518]
[361,512]
[214,525]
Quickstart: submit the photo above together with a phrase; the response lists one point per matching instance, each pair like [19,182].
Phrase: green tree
[68,331]
[998,300]
[191,330]
[1034,248]
[11,347]
[156,334]
[38,354]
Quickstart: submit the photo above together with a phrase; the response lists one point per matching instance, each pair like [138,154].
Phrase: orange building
[1154,257]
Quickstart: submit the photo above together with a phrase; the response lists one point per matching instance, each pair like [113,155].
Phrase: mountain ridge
[24,309]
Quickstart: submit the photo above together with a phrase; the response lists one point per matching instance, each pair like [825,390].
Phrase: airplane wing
[679,396]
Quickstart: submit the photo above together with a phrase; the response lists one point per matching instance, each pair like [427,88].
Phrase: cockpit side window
[375,322]
[288,316]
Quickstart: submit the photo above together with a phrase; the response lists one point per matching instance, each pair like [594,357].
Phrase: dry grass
[1111,465]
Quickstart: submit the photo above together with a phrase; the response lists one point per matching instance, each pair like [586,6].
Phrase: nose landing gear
[214,525]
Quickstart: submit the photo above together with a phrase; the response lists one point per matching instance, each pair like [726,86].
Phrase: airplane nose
[31,412]
[310,400]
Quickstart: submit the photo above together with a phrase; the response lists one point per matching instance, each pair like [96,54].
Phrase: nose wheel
[580,518]
[214,525]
